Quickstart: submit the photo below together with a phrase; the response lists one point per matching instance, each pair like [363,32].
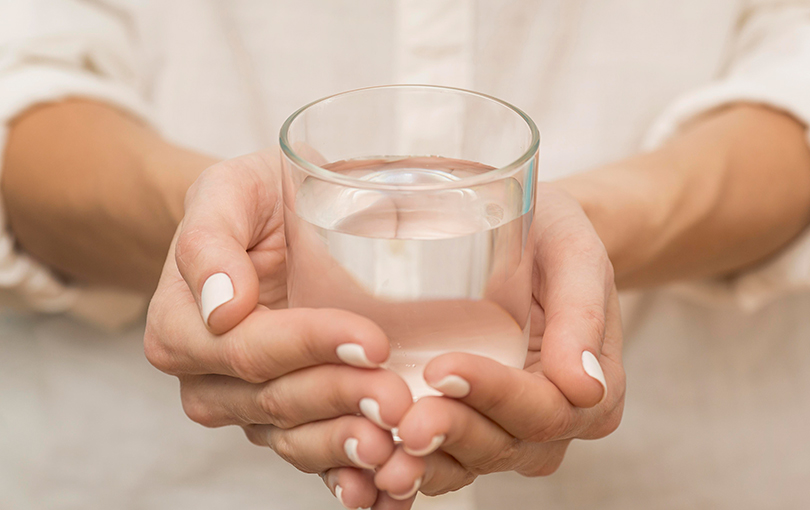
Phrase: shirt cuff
[24,282]
[785,272]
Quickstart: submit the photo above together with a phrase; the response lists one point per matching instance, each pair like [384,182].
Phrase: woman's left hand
[499,418]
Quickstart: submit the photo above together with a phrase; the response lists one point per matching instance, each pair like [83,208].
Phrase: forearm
[94,193]
[727,193]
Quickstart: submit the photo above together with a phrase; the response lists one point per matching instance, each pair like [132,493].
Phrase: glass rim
[492,175]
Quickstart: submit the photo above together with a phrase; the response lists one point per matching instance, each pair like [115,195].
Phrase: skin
[104,204]
[721,197]
[95,194]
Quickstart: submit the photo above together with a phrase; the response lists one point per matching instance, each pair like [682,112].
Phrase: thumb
[576,282]
[213,241]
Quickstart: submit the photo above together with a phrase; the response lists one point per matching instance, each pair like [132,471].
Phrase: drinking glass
[412,206]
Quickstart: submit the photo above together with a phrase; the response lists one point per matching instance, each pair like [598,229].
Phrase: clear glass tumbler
[412,206]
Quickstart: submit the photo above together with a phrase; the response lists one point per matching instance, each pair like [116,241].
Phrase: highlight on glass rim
[456,254]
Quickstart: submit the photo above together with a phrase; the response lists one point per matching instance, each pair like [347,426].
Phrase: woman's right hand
[294,379]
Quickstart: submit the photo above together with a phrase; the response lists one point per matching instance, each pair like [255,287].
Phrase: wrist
[171,170]
[631,204]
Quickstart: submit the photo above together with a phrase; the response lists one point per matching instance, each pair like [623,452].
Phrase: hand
[294,379]
[504,419]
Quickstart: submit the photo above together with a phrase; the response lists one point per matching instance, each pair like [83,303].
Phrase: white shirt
[718,397]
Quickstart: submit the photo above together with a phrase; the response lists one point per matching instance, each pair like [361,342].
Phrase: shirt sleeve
[769,65]
[51,50]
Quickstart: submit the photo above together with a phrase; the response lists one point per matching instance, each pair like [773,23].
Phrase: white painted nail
[350,447]
[354,355]
[434,443]
[216,291]
[410,493]
[371,410]
[339,496]
[593,369]
[453,386]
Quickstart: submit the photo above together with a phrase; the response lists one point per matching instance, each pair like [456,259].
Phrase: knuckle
[156,352]
[252,432]
[608,424]
[548,463]
[281,444]
[190,243]
[197,409]
[287,449]
[275,408]
[268,404]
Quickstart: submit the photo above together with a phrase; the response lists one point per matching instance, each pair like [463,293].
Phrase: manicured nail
[216,291]
[354,355]
[371,410]
[453,386]
[410,493]
[339,496]
[350,447]
[593,369]
[434,443]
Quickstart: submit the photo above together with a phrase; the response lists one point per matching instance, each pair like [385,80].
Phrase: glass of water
[412,205]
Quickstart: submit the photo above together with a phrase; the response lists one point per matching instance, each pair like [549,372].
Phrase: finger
[307,395]
[525,404]
[606,417]
[575,280]
[349,441]
[353,487]
[401,476]
[265,345]
[474,440]
[477,445]
[230,207]
[443,474]
[386,502]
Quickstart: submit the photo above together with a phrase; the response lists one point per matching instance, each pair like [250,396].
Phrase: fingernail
[216,291]
[350,447]
[371,410]
[339,496]
[434,443]
[593,369]
[453,386]
[354,355]
[410,493]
